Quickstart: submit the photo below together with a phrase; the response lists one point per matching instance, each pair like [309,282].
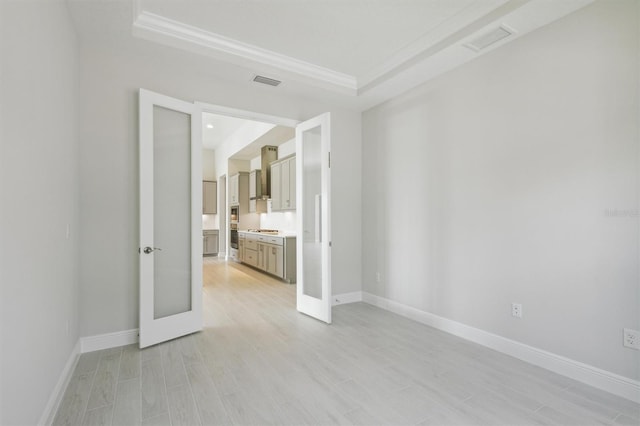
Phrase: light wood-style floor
[259,362]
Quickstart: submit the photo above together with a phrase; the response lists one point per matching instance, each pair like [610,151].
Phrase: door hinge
[329,159]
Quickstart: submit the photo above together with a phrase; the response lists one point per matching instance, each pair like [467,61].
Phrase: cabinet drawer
[251,257]
[251,243]
[271,240]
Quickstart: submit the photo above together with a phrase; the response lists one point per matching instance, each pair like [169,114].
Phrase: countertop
[281,234]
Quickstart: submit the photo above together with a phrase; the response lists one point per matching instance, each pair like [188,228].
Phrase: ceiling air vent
[266,80]
[489,38]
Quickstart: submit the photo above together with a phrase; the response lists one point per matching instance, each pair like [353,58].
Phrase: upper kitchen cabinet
[239,189]
[209,197]
[283,184]
[256,203]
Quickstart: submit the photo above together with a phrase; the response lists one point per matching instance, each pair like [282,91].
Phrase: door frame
[245,115]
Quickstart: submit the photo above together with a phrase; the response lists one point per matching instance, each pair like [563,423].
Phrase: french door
[313,195]
[170,218]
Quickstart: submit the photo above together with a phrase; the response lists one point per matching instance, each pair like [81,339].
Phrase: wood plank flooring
[259,362]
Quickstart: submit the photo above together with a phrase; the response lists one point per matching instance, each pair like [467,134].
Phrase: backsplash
[282,221]
[210,221]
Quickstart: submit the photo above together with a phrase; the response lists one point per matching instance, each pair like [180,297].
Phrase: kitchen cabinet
[256,203]
[239,189]
[274,260]
[210,242]
[241,240]
[275,255]
[276,172]
[209,197]
[283,184]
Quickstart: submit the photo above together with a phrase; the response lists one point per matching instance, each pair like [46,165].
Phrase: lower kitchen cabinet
[274,255]
[210,242]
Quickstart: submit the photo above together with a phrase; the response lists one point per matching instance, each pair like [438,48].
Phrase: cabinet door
[262,256]
[214,241]
[252,206]
[284,185]
[209,197]
[241,250]
[233,190]
[276,203]
[292,183]
[275,264]
[252,185]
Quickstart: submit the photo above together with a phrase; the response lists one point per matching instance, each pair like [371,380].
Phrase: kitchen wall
[515,179]
[39,217]
[109,167]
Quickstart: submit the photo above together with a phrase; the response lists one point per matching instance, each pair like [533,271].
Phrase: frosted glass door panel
[172,212]
[312,212]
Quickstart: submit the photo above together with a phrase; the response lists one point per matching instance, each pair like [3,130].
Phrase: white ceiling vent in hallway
[489,38]
[266,80]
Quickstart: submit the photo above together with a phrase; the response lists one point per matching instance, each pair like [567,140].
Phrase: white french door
[313,192]
[170,218]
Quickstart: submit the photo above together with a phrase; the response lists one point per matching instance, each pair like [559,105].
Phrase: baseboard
[57,393]
[593,376]
[108,340]
[341,299]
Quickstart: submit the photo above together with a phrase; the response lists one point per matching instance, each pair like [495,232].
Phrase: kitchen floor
[259,362]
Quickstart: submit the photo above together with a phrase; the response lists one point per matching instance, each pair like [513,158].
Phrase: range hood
[268,154]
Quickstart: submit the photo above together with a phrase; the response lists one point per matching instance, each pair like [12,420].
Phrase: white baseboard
[593,376]
[108,340]
[57,393]
[341,299]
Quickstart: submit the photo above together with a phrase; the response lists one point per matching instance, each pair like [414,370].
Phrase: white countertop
[281,234]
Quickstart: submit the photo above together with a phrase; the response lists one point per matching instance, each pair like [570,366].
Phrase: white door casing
[170,218]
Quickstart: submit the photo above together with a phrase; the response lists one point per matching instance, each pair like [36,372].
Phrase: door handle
[148,250]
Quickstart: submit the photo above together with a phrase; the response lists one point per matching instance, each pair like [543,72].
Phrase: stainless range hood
[268,154]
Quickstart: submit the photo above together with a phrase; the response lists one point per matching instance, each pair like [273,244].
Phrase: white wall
[492,183]
[39,195]
[109,194]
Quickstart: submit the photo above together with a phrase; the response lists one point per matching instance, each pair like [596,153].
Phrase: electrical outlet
[516,310]
[631,339]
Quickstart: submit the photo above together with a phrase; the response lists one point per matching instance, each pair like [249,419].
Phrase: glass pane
[312,207]
[172,211]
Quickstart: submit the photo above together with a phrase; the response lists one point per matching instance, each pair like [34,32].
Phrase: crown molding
[151,26]
[432,55]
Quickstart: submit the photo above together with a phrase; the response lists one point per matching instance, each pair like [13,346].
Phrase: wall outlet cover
[631,338]
[516,310]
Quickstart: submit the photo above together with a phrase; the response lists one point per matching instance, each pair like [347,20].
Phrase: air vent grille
[266,80]
[489,38]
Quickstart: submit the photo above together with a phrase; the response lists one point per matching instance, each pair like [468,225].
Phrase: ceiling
[223,127]
[347,36]
[362,52]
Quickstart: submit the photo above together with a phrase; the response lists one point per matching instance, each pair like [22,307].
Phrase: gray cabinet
[275,255]
[283,184]
[256,203]
[239,190]
[209,197]
[210,242]
[234,187]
